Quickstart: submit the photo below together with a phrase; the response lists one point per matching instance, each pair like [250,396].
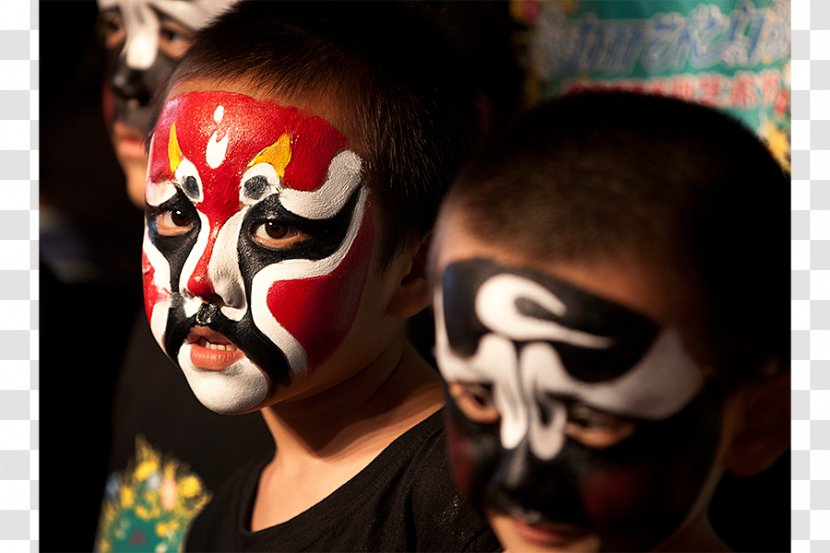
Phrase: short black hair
[622,177]
[403,90]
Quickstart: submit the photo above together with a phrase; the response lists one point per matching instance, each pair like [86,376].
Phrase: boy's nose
[200,283]
[522,481]
[130,84]
[216,277]
[513,473]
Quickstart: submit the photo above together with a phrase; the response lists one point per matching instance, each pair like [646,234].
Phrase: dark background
[84,323]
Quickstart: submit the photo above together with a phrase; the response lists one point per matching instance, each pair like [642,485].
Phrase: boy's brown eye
[475,400]
[111,27]
[273,235]
[173,223]
[597,429]
[174,39]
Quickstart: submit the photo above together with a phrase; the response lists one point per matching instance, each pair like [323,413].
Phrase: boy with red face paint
[616,347]
[295,171]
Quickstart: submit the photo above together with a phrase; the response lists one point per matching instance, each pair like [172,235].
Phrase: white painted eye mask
[540,346]
[534,340]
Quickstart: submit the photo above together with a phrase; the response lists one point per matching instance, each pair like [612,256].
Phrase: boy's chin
[517,536]
[238,388]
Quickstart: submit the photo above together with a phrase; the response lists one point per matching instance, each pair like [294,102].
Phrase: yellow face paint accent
[174,153]
[277,154]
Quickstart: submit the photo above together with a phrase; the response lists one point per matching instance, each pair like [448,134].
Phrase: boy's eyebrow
[161,14]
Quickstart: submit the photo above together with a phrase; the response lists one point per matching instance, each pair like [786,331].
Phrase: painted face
[145,39]
[257,243]
[580,420]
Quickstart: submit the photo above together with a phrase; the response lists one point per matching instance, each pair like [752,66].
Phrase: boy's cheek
[473,453]
[320,311]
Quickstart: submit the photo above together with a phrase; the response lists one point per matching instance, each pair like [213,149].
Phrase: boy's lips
[211,350]
[534,527]
[129,143]
[550,534]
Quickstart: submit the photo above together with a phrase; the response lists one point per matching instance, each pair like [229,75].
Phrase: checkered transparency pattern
[810,77]
[18,276]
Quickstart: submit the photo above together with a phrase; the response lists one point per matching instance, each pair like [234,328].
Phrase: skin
[246,235]
[583,514]
[144,41]
[369,390]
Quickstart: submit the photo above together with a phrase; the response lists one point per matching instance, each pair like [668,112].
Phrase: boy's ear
[412,292]
[763,431]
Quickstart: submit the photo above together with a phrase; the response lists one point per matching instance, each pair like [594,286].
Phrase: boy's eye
[174,222]
[174,39]
[597,429]
[475,400]
[273,235]
[111,27]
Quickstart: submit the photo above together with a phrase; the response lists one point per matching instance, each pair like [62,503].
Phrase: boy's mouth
[535,527]
[550,534]
[211,350]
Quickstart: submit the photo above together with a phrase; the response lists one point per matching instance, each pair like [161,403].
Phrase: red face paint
[229,164]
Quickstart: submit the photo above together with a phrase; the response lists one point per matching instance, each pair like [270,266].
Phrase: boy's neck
[325,440]
[698,535]
[398,384]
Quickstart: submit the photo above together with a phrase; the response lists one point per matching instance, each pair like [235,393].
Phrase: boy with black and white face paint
[145,39]
[607,352]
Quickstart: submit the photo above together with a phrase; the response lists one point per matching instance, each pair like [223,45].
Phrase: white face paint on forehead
[520,354]
[141,21]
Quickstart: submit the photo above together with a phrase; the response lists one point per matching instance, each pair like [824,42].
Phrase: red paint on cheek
[319,311]
[617,493]
[152,294]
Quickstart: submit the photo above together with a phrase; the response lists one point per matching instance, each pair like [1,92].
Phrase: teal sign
[733,55]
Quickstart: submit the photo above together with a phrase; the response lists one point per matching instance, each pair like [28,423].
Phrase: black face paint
[632,494]
[325,237]
[631,333]
[133,89]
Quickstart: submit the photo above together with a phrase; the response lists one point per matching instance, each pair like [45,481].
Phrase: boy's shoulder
[404,500]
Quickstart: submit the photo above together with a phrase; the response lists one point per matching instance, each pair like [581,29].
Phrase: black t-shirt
[404,500]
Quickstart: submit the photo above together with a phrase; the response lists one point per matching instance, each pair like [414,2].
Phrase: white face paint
[517,355]
[239,310]
[142,24]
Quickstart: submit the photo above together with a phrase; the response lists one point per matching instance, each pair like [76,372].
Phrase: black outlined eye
[174,39]
[276,236]
[174,222]
[596,429]
[111,28]
[475,400]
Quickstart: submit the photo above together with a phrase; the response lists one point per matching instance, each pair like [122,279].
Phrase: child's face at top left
[258,243]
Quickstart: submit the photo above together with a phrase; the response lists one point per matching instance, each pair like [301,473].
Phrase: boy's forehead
[635,286]
[309,101]
[224,133]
